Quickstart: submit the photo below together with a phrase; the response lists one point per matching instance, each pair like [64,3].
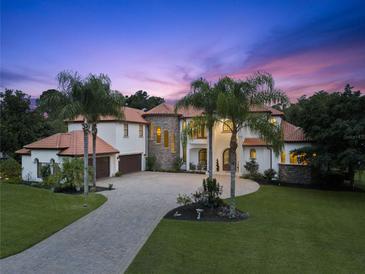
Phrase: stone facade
[165,156]
[295,174]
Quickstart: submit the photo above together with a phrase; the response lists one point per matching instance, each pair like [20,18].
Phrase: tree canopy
[142,100]
[19,124]
[336,124]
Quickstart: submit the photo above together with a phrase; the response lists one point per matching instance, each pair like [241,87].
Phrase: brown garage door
[130,163]
[102,167]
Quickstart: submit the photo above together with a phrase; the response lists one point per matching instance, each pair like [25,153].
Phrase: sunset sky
[161,46]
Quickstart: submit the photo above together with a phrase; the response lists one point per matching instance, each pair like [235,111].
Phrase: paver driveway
[107,239]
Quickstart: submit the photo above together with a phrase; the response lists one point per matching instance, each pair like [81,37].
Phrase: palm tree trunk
[94,131]
[85,127]
[232,160]
[210,149]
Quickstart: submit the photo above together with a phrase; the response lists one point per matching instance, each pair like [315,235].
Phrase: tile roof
[275,112]
[292,133]
[70,144]
[161,109]
[23,151]
[132,115]
[254,142]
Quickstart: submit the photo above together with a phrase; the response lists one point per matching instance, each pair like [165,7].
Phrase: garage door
[130,163]
[102,167]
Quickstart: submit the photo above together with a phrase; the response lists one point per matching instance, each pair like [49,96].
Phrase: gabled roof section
[292,133]
[131,115]
[161,109]
[69,144]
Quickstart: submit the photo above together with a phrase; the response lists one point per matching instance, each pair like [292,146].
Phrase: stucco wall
[262,158]
[164,156]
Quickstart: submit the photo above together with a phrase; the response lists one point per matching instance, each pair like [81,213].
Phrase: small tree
[252,167]
[10,171]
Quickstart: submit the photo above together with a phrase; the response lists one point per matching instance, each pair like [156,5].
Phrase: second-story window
[227,126]
[166,138]
[140,131]
[158,135]
[125,129]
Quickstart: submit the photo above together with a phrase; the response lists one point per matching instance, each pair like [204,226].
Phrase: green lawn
[29,215]
[290,230]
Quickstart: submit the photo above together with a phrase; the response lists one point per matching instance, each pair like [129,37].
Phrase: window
[253,153]
[141,131]
[173,143]
[151,131]
[43,169]
[282,157]
[184,153]
[166,138]
[39,167]
[125,130]
[227,125]
[184,124]
[226,165]
[273,121]
[198,131]
[203,157]
[158,135]
[299,159]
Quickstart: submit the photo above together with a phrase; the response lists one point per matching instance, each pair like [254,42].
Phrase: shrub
[252,167]
[184,200]
[212,191]
[178,164]
[118,174]
[217,164]
[269,174]
[10,171]
[192,166]
[151,163]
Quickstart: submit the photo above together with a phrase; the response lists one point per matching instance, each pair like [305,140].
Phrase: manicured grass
[29,215]
[290,230]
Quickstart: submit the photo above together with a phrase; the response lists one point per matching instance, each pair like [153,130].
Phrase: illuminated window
[253,153]
[166,138]
[140,130]
[226,164]
[184,124]
[184,153]
[125,130]
[151,131]
[158,135]
[293,158]
[227,125]
[282,157]
[273,121]
[199,131]
[203,156]
[173,143]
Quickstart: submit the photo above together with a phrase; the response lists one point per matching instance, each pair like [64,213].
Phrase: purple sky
[161,46]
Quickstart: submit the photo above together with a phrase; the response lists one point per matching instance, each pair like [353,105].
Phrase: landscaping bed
[219,214]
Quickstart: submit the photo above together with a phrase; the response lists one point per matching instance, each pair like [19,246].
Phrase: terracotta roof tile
[161,109]
[71,144]
[292,133]
[254,142]
[132,115]
[275,112]
[23,151]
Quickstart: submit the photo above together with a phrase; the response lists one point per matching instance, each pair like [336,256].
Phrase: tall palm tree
[106,102]
[234,103]
[203,96]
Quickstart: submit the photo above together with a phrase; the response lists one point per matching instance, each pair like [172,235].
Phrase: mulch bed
[219,214]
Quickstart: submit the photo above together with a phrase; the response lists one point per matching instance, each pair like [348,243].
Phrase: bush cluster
[10,171]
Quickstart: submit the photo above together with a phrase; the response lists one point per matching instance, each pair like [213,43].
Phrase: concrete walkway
[107,239]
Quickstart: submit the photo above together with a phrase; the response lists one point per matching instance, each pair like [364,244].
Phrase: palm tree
[106,102]
[234,103]
[203,96]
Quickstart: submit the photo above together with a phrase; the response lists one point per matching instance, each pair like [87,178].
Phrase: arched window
[293,158]
[253,153]
[39,167]
[227,126]
[166,138]
[273,121]
[173,143]
[203,156]
[226,166]
[282,157]
[158,135]
[184,124]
